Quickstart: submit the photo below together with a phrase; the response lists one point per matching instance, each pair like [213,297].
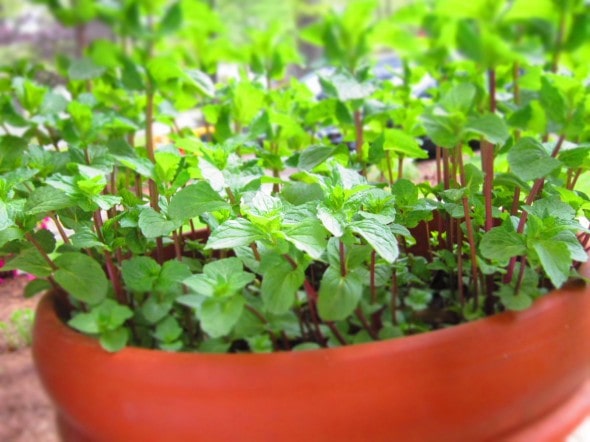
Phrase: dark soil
[26,415]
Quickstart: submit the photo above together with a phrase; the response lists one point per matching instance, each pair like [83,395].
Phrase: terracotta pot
[514,376]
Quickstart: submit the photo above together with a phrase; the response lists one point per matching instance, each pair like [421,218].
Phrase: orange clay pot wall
[507,377]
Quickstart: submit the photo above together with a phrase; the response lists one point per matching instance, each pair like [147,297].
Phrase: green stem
[358,124]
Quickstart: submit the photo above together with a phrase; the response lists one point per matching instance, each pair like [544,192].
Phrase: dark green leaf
[82,277]
[501,244]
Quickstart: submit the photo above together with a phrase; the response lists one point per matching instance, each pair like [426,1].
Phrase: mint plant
[253,233]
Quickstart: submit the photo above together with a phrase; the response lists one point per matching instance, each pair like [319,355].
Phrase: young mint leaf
[402,143]
[140,273]
[552,101]
[172,274]
[530,160]
[153,310]
[342,85]
[172,20]
[85,322]
[279,287]
[308,236]
[501,244]
[513,302]
[154,224]
[314,156]
[555,259]
[29,261]
[219,316]
[168,330]
[490,126]
[201,81]
[379,237]
[114,340]
[339,295]
[46,199]
[441,130]
[459,98]
[194,200]
[82,277]
[234,233]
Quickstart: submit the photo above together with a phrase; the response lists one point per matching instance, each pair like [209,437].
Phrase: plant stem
[394,297]
[337,333]
[536,189]
[365,323]
[400,167]
[112,269]
[470,230]
[29,237]
[60,228]
[372,278]
[487,156]
[389,166]
[342,251]
[358,124]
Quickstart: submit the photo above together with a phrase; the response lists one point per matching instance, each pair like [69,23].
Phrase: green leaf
[172,20]
[440,129]
[379,237]
[501,244]
[47,199]
[279,287]
[114,340]
[84,69]
[418,299]
[234,233]
[529,160]
[342,85]
[85,322]
[36,286]
[555,259]
[153,310]
[201,81]
[140,273]
[460,98]
[168,330]
[308,236]
[339,295]
[513,302]
[490,126]
[29,261]
[314,156]
[553,102]
[154,224]
[403,144]
[82,277]
[219,316]
[194,200]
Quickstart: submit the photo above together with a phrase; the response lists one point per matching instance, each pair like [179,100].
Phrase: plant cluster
[246,229]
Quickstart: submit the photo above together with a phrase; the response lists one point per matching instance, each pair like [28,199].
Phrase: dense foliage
[317,230]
